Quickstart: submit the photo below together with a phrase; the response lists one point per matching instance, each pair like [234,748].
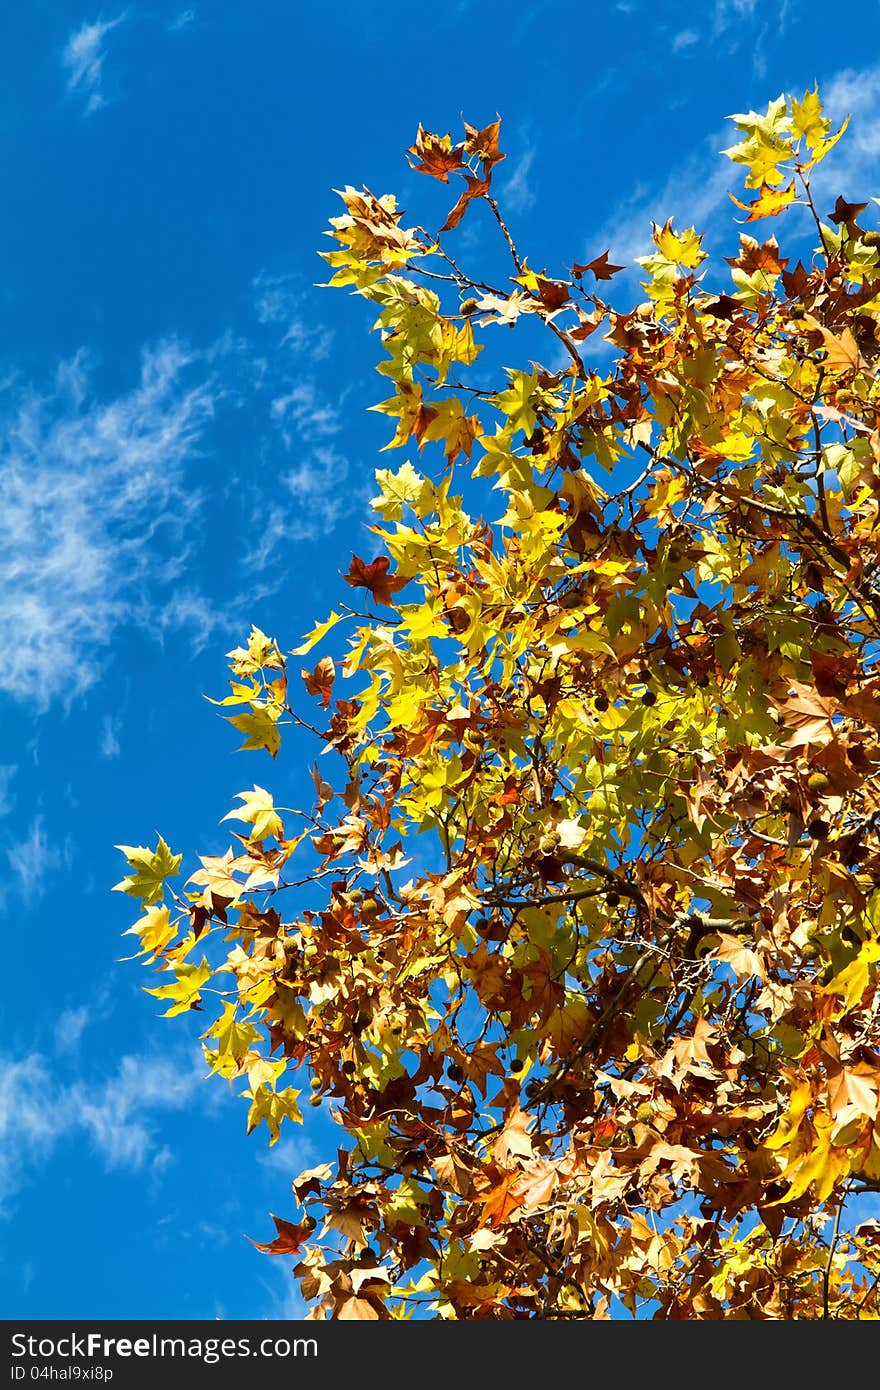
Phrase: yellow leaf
[151,868]
[769,203]
[258,810]
[316,635]
[155,929]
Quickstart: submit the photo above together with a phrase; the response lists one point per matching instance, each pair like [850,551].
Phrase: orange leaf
[436,155]
[769,203]
[289,1237]
[501,1201]
[841,352]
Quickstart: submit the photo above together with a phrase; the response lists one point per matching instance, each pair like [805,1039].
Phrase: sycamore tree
[577,937]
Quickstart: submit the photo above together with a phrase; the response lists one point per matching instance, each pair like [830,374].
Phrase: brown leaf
[475,188]
[320,681]
[845,213]
[289,1238]
[436,155]
[375,577]
[552,293]
[483,143]
[501,1201]
[600,266]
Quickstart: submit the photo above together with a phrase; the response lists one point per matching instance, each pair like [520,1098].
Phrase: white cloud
[187,608]
[856,94]
[732,12]
[83,60]
[89,486]
[289,1156]
[182,21]
[277,301]
[70,1027]
[685,39]
[321,495]
[120,1114]
[110,729]
[34,857]
[517,193]
[7,772]
[302,413]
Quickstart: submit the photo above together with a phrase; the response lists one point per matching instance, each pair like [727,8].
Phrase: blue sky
[185,450]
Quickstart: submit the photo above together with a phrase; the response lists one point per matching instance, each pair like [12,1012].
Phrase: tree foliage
[578,940]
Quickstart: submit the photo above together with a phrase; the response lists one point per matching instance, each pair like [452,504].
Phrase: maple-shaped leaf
[753,258]
[850,1094]
[501,1200]
[600,266]
[845,213]
[258,810]
[154,930]
[272,1107]
[260,727]
[484,143]
[770,202]
[435,155]
[320,681]
[150,868]
[375,577]
[552,293]
[841,350]
[185,993]
[289,1238]
[796,282]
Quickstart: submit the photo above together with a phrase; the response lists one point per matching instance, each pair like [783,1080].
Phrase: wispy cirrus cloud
[119,1115]
[7,799]
[35,856]
[83,60]
[517,189]
[89,486]
[183,20]
[318,493]
[277,301]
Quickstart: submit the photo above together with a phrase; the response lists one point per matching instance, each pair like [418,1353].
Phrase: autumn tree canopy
[578,939]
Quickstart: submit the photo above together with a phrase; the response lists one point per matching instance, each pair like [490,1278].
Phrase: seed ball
[612,899]
[649,698]
[349,1068]
[315,1083]
[818,782]
[517,1065]
[601,703]
[645,1112]
[818,830]
[314,1100]
[455,1072]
